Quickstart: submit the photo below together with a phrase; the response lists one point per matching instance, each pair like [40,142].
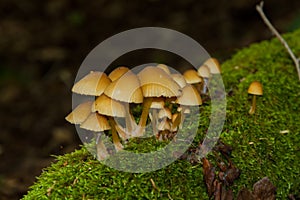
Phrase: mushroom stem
[182,116]
[154,121]
[100,148]
[204,86]
[144,115]
[114,133]
[177,121]
[252,108]
[129,120]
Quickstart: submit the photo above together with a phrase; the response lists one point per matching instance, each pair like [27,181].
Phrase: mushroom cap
[179,79]
[92,84]
[164,67]
[126,89]
[191,76]
[213,65]
[190,96]
[109,107]
[80,113]
[255,88]
[204,71]
[155,82]
[117,73]
[95,122]
[164,112]
[158,103]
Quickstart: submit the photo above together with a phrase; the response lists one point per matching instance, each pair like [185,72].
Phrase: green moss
[260,149]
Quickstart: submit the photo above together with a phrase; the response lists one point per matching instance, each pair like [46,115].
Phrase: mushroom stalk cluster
[155,88]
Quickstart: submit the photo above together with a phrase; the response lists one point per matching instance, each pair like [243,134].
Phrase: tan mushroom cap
[255,88]
[109,107]
[95,122]
[155,82]
[164,67]
[213,65]
[158,103]
[92,84]
[117,73]
[204,71]
[189,97]
[80,113]
[126,89]
[179,79]
[191,76]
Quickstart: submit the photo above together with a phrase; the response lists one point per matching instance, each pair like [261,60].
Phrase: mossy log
[265,143]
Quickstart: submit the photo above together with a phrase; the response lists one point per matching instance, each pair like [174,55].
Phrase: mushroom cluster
[165,98]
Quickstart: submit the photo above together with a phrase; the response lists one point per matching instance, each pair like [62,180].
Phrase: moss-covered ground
[264,144]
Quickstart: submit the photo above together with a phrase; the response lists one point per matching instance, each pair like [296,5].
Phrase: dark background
[42,44]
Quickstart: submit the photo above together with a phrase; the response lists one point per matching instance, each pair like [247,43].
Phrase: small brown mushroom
[126,89]
[255,89]
[155,82]
[213,65]
[204,72]
[189,97]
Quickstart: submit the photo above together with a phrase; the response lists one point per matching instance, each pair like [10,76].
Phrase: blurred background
[42,45]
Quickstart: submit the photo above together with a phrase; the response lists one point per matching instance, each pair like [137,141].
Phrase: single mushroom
[213,65]
[255,89]
[155,83]
[191,76]
[189,97]
[127,90]
[97,123]
[204,72]
[92,84]
[111,108]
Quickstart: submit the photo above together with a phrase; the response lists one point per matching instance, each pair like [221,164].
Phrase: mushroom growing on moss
[126,89]
[155,83]
[255,89]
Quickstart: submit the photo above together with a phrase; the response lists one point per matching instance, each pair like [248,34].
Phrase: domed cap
[204,71]
[92,84]
[179,79]
[255,88]
[95,122]
[191,76]
[213,65]
[189,97]
[80,113]
[109,107]
[164,67]
[117,73]
[126,89]
[155,82]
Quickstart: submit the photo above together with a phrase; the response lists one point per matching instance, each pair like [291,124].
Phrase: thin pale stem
[296,60]
[253,106]
[144,116]
[115,136]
